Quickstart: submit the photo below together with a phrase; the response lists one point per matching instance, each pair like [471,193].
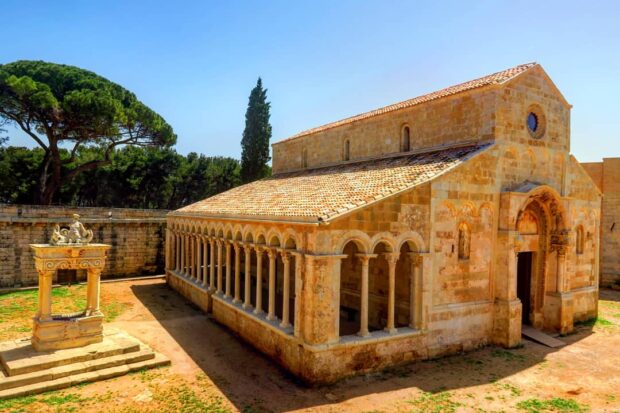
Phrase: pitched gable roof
[492,79]
[323,194]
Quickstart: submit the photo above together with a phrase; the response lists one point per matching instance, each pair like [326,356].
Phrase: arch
[349,322]
[260,239]
[273,239]
[385,238]
[360,238]
[550,201]
[414,241]
[346,150]
[290,239]
[405,138]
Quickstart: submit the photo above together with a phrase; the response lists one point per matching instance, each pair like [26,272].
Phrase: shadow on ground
[252,382]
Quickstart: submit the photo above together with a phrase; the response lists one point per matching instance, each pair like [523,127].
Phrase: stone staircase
[26,371]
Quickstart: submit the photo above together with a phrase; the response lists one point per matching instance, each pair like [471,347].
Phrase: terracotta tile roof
[492,79]
[324,193]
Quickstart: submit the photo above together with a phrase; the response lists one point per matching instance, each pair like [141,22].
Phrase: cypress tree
[256,136]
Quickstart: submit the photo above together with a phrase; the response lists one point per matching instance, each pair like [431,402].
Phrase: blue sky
[195,62]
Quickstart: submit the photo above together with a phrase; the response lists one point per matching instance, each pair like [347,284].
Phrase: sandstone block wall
[137,238]
[606,175]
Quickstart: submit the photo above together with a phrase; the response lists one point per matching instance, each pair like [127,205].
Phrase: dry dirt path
[213,371]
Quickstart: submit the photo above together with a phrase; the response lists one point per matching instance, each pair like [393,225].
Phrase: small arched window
[405,141]
[304,158]
[464,241]
[579,241]
[346,155]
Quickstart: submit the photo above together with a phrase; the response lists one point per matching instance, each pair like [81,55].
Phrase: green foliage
[556,404]
[58,104]
[595,322]
[435,403]
[256,136]
[136,177]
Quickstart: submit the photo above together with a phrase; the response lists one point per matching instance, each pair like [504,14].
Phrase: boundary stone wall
[137,237]
[606,175]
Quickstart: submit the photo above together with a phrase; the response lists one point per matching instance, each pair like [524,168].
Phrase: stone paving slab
[19,356]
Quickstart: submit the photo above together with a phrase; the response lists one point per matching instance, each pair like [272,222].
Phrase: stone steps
[20,357]
[61,383]
[27,371]
[75,368]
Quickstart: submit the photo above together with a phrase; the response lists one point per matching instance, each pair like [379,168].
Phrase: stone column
[199,271]
[205,260]
[193,260]
[365,259]
[212,265]
[183,253]
[562,282]
[92,291]
[237,297]
[219,243]
[228,257]
[259,280]
[392,258]
[271,253]
[45,295]
[415,291]
[177,247]
[248,276]
[286,286]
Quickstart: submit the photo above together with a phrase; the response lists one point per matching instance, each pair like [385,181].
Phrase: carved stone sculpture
[75,234]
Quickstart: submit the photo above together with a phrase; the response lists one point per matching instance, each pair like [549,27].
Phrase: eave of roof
[319,196]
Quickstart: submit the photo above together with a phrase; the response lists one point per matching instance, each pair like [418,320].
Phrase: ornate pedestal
[59,331]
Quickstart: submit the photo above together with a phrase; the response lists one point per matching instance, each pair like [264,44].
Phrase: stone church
[428,227]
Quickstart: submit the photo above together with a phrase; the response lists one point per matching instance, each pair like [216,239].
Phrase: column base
[558,312]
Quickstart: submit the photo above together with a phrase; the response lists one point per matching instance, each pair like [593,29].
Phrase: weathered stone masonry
[136,236]
[427,227]
[606,175]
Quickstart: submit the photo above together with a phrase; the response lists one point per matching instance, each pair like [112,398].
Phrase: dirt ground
[213,371]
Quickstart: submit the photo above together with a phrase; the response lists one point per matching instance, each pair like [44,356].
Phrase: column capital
[228,245]
[285,254]
[272,253]
[415,257]
[391,257]
[237,246]
[364,258]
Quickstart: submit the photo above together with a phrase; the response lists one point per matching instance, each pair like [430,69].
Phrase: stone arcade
[427,227]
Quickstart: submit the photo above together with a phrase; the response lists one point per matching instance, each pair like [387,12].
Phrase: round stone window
[535,122]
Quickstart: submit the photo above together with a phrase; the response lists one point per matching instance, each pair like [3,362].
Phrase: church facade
[429,227]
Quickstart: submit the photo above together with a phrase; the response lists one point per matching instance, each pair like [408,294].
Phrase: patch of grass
[435,403]
[507,355]
[17,308]
[595,322]
[184,399]
[60,399]
[555,405]
[17,403]
[514,390]
[111,311]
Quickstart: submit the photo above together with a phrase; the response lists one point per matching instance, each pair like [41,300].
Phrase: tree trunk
[50,182]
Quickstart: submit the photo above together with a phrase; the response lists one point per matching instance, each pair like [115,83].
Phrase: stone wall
[606,175]
[137,237]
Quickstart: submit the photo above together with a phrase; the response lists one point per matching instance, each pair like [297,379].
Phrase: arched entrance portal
[539,236]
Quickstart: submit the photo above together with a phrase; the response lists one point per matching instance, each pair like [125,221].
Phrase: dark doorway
[524,284]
